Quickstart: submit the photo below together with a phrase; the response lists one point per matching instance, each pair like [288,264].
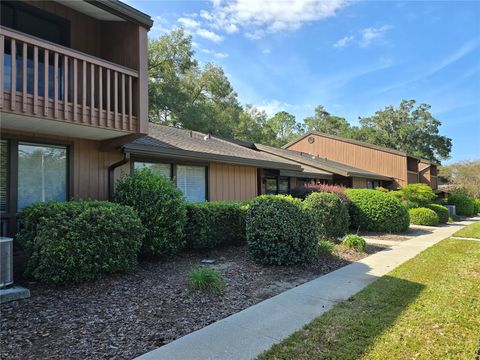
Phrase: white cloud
[371,34]
[219,55]
[258,18]
[266,51]
[209,35]
[271,107]
[188,23]
[364,38]
[345,41]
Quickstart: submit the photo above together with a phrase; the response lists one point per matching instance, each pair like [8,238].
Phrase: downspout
[111,174]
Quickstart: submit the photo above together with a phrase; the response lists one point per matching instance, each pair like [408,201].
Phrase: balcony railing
[42,79]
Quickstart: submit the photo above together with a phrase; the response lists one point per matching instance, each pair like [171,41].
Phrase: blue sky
[353,57]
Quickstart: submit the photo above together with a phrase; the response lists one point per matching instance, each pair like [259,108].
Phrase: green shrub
[421,194]
[397,194]
[280,231]
[325,247]
[382,189]
[211,224]
[161,207]
[329,213]
[476,203]
[355,242]
[376,211]
[442,212]
[207,280]
[423,216]
[410,204]
[77,241]
[464,205]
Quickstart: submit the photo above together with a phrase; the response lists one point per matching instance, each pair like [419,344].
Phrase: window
[283,186]
[271,186]
[192,181]
[42,174]
[277,185]
[157,168]
[372,184]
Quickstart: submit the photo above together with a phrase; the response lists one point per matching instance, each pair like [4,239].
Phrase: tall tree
[183,94]
[281,128]
[464,174]
[326,123]
[406,128]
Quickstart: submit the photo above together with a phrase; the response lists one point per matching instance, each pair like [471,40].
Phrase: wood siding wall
[90,166]
[232,182]
[380,162]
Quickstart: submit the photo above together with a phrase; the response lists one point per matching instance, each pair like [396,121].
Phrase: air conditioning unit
[6,261]
[452,211]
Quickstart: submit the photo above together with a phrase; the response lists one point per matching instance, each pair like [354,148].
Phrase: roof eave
[151,151]
[124,11]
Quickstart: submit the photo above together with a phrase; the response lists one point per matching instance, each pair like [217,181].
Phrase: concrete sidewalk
[248,333]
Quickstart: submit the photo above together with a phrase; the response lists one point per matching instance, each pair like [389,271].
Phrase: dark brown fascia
[123,11]
[152,151]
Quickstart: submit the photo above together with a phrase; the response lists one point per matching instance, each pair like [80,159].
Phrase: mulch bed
[123,316]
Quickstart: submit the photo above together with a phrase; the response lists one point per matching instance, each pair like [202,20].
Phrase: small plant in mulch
[325,247]
[354,242]
[207,280]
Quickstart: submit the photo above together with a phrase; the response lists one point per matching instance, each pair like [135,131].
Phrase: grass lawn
[471,231]
[428,308]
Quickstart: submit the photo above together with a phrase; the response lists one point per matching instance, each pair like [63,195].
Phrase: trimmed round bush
[329,213]
[377,211]
[423,216]
[464,205]
[215,223]
[441,211]
[421,194]
[161,208]
[77,241]
[355,242]
[280,231]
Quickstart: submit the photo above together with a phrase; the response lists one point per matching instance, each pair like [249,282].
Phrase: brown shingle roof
[181,143]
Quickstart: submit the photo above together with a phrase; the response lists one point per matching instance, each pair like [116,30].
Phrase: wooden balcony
[40,79]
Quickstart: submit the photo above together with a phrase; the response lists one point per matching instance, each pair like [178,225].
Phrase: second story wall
[381,162]
[97,66]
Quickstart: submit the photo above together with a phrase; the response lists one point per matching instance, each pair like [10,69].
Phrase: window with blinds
[3,175]
[192,181]
[157,168]
[42,174]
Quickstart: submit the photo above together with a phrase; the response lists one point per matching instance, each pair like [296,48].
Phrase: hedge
[423,216]
[211,224]
[329,213]
[280,231]
[441,211]
[376,211]
[77,241]
[464,205]
[303,191]
[161,208]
